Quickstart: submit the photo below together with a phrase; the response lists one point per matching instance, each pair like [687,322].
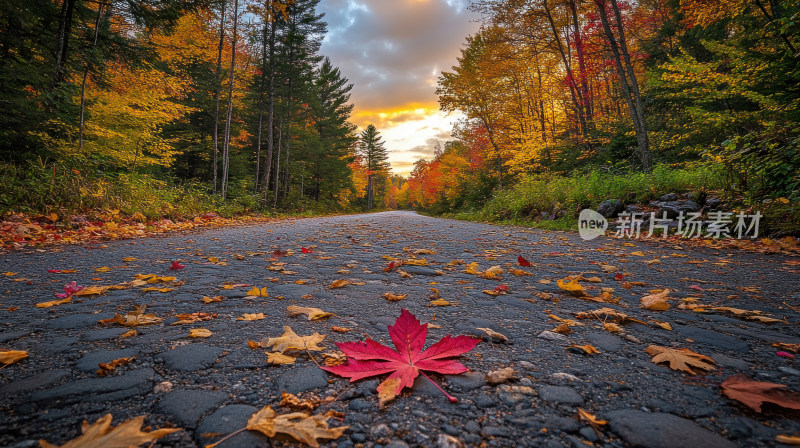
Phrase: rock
[669,197]
[606,342]
[74,321]
[689,206]
[467,381]
[225,421]
[589,434]
[302,379]
[190,357]
[187,406]
[496,431]
[99,335]
[359,404]
[89,363]
[45,378]
[500,375]
[713,203]
[163,387]
[789,370]
[397,444]
[565,424]
[611,208]
[563,376]
[550,336]
[485,401]
[560,394]
[713,338]
[727,361]
[658,430]
[448,441]
[131,384]
[380,431]
[632,208]
[420,270]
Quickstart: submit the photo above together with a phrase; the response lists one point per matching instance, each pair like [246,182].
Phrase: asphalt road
[210,386]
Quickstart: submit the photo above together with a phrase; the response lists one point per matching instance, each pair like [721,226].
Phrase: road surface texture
[209,387]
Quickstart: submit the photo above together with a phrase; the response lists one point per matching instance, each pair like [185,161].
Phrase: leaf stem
[449,397]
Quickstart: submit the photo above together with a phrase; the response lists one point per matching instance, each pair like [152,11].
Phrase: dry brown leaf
[794,348]
[403,274]
[107,367]
[415,261]
[289,340]
[132,319]
[492,334]
[189,318]
[392,297]
[607,315]
[493,273]
[11,356]
[664,325]
[293,401]
[681,359]
[588,349]
[562,329]
[339,284]
[612,327]
[101,434]
[788,440]
[518,272]
[387,391]
[92,291]
[569,322]
[341,329]
[312,313]
[439,302]
[251,316]
[128,334]
[302,427]
[200,333]
[500,376]
[656,302]
[592,420]
[279,359]
[207,299]
[754,394]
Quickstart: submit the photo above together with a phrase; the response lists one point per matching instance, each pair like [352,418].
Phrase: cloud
[393,52]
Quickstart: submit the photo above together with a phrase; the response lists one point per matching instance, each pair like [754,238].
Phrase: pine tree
[375,156]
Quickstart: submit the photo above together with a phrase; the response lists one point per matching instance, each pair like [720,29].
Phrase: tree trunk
[276,179]
[634,104]
[226,147]
[64,31]
[270,110]
[585,97]
[217,80]
[260,107]
[86,75]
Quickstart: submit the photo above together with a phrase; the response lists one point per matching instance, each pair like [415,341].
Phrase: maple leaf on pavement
[755,393]
[407,361]
[523,262]
[681,359]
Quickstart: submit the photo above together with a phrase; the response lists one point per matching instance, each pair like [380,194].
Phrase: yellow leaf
[128,334]
[788,440]
[103,269]
[612,327]
[590,419]
[129,259]
[312,313]
[54,216]
[656,302]
[251,317]
[108,367]
[11,356]
[199,333]
[102,434]
[588,349]
[388,391]
[562,329]
[392,297]
[664,325]
[493,273]
[341,329]
[439,302]
[213,259]
[10,274]
[518,272]
[92,291]
[300,426]
[572,287]
[416,261]
[280,359]
[53,303]
[207,299]
[256,292]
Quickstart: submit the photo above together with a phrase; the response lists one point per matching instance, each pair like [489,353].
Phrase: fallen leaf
[493,335]
[592,420]
[256,292]
[207,299]
[587,349]
[129,259]
[199,333]
[293,401]
[11,356]
[289,340]
[279,359]
[107,367]
[251,317]
[681,359]
[300,426]
[101,434]
[369,358]
[132,319]
[341,329]
[392,297]
[312,313]
[176,265]
[788,440]
[612,327]
[664,325]
[188,318]
[794,348]
[656,302]
[306,250]
[103,269]
[493,273]
[403,274]
[572,287]
[518,272]
[500,376]
[339,284]
[754,394]
[439,302]
[562,329]
[53,303]
[523,262]
[607,315]
[128,334]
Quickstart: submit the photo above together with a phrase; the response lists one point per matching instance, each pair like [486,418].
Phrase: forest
[568,103]
[177,107]
[174,108]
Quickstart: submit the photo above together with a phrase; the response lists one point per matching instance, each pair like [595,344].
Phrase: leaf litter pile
[545,317]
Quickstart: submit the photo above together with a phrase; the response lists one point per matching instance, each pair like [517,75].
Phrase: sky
[393,51]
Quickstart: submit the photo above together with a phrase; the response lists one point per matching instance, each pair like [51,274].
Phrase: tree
[373,152]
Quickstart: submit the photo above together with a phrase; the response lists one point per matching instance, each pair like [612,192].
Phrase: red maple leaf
[306,250]
[523,262]
[370,358]
[176,265]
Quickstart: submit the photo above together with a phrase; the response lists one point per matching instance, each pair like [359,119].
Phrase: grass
[553,201]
